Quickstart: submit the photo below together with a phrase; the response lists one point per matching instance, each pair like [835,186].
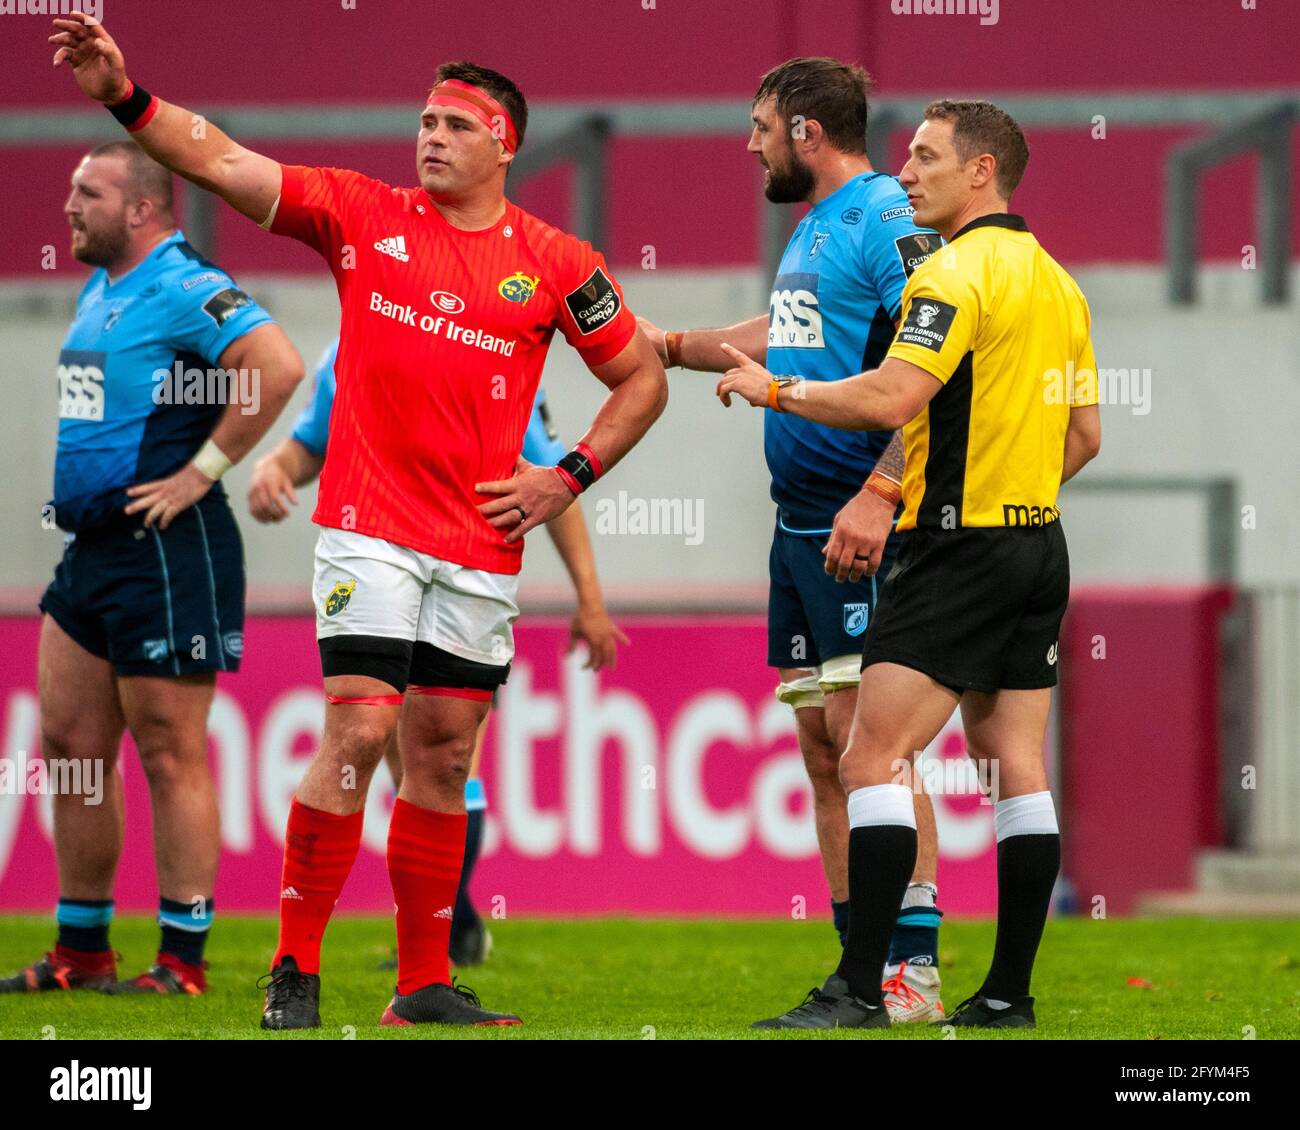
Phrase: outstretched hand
[96,60]
[748,379]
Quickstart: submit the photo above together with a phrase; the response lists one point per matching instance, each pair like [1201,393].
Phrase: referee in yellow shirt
[992,378]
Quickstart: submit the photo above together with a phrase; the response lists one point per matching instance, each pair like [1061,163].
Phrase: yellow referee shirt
[1005,329]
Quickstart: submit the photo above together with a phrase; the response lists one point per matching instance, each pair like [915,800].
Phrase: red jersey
[441,349]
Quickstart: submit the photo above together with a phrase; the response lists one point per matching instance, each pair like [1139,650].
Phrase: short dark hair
[496,84]
[832,92]
[145,178]
[981,127]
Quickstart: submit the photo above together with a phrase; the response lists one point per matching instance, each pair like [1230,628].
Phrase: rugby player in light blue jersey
[834,307]
[168,375]
[298,459]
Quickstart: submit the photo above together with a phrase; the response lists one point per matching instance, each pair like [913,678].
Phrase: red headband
[481,104]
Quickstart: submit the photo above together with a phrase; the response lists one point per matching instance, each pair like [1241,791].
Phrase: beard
[791,184]
[100,248]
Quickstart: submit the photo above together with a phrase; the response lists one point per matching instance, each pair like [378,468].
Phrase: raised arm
[174,137]
[701,350]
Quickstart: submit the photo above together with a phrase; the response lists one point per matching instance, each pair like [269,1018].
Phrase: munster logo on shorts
[855,618]
[339,597]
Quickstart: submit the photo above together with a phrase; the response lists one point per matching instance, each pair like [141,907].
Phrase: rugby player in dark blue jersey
[169,374]
[834,307]
[297,460]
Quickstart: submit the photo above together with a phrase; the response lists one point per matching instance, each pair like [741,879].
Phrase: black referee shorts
[975,608]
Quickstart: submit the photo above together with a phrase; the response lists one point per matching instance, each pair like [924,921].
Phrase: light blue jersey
[136,377]
[312,428]
[834,304]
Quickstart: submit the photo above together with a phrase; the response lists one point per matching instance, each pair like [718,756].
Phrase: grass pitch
[631,980]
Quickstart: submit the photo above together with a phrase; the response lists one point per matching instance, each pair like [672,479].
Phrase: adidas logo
[394,246]
[445,912]
[290,893]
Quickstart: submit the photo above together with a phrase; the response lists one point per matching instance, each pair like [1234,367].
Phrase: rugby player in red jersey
[450,297]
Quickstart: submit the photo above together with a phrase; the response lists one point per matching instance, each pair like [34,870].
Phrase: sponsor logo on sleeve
[594,303]
[916,248]
[225,304]
[928,322]
[896,213]
[851,215]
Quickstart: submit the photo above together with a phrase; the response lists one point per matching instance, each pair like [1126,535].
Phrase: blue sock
[83,924]
[464,914]
[184,933]
[840,916]
[916,936]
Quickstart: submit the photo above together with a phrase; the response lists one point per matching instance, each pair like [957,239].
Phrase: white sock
[1030,815]
[881,804]
[921,894]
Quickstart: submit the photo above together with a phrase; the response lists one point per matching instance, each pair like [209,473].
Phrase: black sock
[840,916]
[83,924]
[881,860]
[184,932]
[1027,868]
[465,915]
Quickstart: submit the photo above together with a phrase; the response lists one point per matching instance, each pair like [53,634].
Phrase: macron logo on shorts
[394,246]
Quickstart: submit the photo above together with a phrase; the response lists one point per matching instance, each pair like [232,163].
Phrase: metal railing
[1267,133]
[579,132]
[1218,495]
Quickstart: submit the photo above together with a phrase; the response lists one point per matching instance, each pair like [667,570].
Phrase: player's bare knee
[361,740]
[444,763]
[77,741]
[864,766]
[821,760]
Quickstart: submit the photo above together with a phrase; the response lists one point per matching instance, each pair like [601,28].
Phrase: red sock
[319,850]
[425,852]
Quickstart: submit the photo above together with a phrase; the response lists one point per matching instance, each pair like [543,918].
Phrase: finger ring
[862,557]
[523,515]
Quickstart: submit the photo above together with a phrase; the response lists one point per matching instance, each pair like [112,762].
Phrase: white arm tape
[212,461]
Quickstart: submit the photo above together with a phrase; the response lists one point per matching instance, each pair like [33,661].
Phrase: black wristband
[133,108]
[579,466]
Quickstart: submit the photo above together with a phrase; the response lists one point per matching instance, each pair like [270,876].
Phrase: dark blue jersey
[833,308]
[139,387]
